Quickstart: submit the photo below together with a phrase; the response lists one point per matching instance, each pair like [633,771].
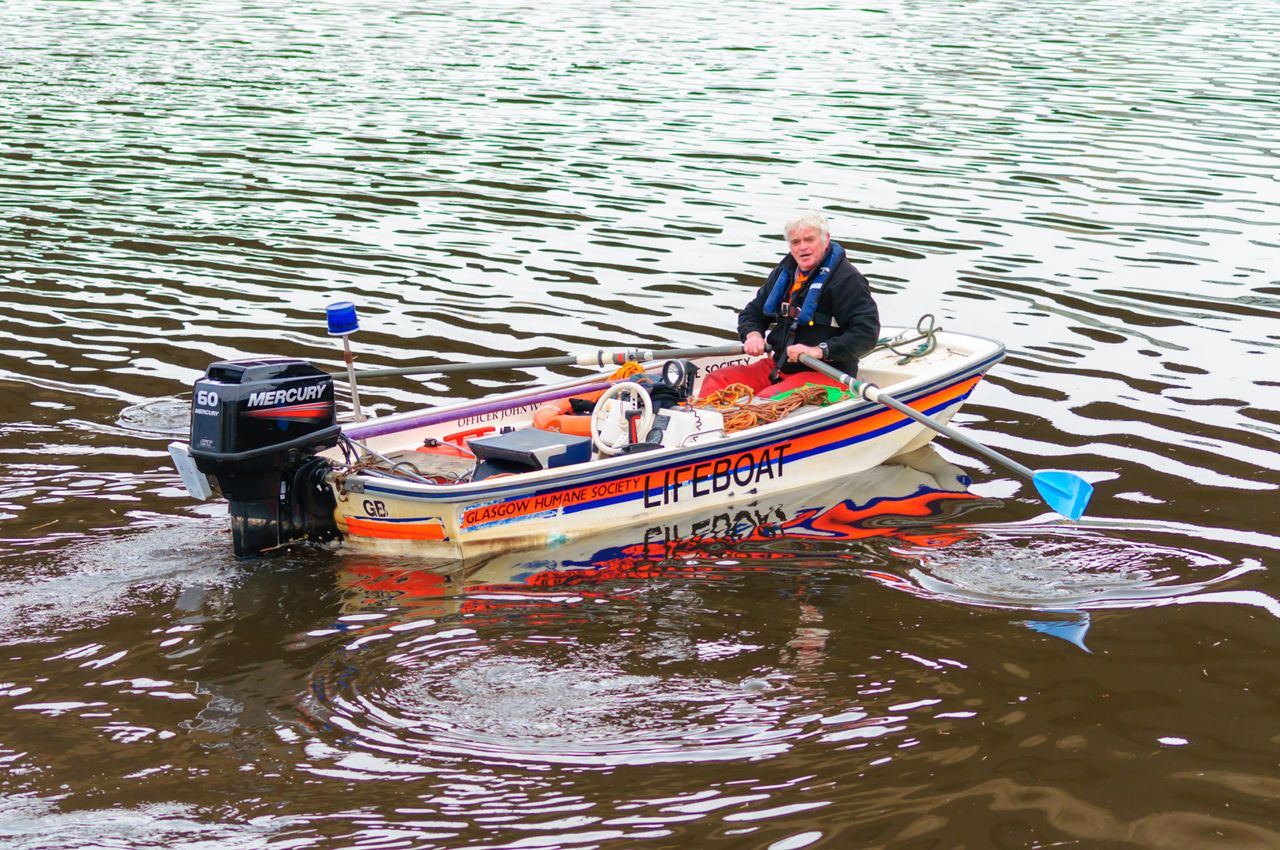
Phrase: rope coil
[926,334]
[740,415]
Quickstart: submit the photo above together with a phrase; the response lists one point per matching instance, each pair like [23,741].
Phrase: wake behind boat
[505,472]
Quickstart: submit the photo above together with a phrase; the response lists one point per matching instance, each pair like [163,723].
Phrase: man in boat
[814,302]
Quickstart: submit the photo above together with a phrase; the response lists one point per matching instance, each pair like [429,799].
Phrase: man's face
[807,246]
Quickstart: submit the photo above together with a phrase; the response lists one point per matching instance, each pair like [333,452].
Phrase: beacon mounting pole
[341,316]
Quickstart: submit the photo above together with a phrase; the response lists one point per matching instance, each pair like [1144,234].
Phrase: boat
[475,478]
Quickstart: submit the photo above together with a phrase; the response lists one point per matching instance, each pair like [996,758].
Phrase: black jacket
[846,300]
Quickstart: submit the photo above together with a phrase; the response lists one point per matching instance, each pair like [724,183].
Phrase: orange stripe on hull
[384,530]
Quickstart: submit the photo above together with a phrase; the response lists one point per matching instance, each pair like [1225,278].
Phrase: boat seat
[532,448]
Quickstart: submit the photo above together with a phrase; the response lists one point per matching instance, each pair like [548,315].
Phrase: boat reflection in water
[911,502]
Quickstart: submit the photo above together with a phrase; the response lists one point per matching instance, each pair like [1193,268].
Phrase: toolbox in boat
[532,448]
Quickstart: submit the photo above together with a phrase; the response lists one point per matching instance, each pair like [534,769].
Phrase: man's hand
[754,344]
[794,352]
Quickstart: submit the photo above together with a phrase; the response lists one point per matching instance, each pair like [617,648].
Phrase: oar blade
[1065,492]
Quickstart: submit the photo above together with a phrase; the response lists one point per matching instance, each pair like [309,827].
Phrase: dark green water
[888,662]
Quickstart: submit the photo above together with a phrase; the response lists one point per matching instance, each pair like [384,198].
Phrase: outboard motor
[255,428]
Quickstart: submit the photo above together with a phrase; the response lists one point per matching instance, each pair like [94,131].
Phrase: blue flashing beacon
[342,318]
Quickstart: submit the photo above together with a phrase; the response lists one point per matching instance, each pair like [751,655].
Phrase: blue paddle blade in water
[1065,492]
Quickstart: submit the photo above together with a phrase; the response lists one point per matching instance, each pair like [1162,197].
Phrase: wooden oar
[597,359]
[1065,492]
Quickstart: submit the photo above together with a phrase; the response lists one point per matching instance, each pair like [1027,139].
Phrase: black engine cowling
[255,428]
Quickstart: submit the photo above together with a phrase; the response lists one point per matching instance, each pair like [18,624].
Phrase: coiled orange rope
[739,415]
[727,397]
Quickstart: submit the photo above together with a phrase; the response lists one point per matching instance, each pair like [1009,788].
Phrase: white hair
[807,218]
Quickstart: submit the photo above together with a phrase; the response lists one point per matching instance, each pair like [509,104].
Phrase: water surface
[889,662]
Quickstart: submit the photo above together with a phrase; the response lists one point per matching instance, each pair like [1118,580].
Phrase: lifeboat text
[714,476]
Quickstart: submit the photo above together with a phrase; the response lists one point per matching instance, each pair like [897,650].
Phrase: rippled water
[890,662]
